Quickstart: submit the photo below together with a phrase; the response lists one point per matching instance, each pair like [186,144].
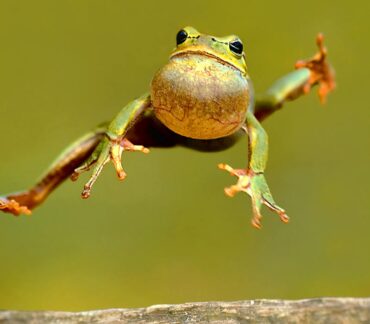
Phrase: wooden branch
[320,310]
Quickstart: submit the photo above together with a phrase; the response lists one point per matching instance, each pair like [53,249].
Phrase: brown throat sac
[200,97]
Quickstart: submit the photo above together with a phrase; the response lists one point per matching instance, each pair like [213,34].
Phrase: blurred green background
[168,234]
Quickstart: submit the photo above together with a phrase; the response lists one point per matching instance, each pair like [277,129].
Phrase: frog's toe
[116,154]
[83,168]
[128,146]
[243,183]
[102,160]
[259,199]
[275,208]
[260,192]
[257,216]
[86,166]
[13,207]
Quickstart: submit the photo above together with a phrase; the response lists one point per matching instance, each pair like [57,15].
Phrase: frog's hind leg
[61,169]
[308,73]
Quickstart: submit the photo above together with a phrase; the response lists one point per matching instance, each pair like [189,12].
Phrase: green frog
[202,98]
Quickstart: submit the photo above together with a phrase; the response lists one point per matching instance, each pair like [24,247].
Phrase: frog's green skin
[203,99]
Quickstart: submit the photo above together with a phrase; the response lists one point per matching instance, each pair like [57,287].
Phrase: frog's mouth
[208,54]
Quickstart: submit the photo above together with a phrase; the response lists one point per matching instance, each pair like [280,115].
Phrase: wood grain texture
[320,310]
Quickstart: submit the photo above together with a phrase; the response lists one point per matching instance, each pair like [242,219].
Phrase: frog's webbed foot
[108,150]
[321,71]
[13,207]
[254,184]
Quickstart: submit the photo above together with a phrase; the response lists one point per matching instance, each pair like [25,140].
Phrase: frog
[202,98]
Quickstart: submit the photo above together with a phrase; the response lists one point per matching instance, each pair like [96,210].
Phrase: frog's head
[228,49]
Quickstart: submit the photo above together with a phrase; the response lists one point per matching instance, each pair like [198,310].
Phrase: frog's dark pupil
[236,47]
[181,37]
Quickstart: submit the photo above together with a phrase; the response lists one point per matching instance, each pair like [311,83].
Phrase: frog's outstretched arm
[251,180]
[315,71]
[98,147]
[114,143]
[61,169]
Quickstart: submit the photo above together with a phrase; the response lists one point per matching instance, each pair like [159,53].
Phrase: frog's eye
[181,36]
[236,47]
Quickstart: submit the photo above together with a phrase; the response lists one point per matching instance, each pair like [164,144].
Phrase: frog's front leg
[114,143]
[252,180]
